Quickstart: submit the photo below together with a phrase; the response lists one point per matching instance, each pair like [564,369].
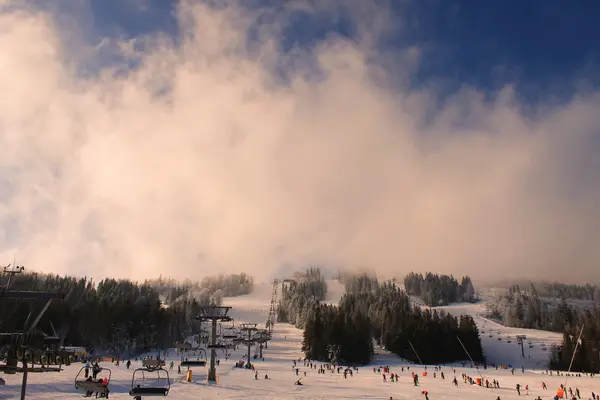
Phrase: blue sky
[546,48]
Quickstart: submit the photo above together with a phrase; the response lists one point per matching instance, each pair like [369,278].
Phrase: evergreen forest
[439,290]
[370,312]
[118,316]
[533,308]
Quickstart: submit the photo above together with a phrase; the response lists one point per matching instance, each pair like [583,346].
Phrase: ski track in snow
[235,383]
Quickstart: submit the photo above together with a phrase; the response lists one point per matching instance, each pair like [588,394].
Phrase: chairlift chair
[194,363]
[92,385]
[150,391]
[152,364]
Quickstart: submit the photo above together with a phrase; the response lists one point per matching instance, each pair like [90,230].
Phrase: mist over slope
[216,151]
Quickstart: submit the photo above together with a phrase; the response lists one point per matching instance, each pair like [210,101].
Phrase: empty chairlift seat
[193,363]
[152,363]
[148,391]
[158,387]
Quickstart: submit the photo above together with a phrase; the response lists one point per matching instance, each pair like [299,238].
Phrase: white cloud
[229,171]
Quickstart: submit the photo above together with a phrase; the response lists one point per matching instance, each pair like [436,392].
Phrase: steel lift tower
[249,329]
[29,345]
[213,314]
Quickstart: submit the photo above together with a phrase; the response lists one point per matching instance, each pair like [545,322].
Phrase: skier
[95,370]
[87,369]
[128,364]
[518,389]
[171,365]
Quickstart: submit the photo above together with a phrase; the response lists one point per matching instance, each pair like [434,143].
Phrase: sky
[194,138]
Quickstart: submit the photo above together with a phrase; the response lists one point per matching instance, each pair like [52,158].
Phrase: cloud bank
[203,159]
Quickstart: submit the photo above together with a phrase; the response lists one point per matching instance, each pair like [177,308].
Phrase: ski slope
[235,383]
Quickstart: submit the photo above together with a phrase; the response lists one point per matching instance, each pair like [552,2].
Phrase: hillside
[237,383]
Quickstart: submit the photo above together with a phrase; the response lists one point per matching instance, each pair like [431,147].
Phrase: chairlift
[153,364]
[193,363]
[150,391]
[94,386]
[216,346]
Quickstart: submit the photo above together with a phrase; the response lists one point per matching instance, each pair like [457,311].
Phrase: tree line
[299,296]
[209,289]
[526,308]
[112,316]
[368,312]
[439,290]
[587,357]
[523,308]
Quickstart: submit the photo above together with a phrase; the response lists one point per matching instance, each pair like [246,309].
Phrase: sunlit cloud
[199,159]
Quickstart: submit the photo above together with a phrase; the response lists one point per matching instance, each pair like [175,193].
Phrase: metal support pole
[249,345]
[261,348]
[212,373]
[24,384]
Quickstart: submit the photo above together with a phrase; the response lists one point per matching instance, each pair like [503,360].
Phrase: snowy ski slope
[237,383]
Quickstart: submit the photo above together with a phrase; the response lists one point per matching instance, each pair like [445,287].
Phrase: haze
[204,158]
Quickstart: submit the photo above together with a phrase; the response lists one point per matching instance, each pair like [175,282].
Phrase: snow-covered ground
[237,383]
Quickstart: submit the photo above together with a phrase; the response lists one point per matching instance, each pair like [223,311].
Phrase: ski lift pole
[574,353]
[468,355]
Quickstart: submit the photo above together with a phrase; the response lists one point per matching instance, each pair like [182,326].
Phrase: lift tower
[213,314]
[28,345]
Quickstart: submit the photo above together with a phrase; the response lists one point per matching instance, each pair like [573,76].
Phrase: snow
[234,383]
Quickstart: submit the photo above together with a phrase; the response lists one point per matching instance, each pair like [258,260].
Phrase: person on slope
[518,388]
